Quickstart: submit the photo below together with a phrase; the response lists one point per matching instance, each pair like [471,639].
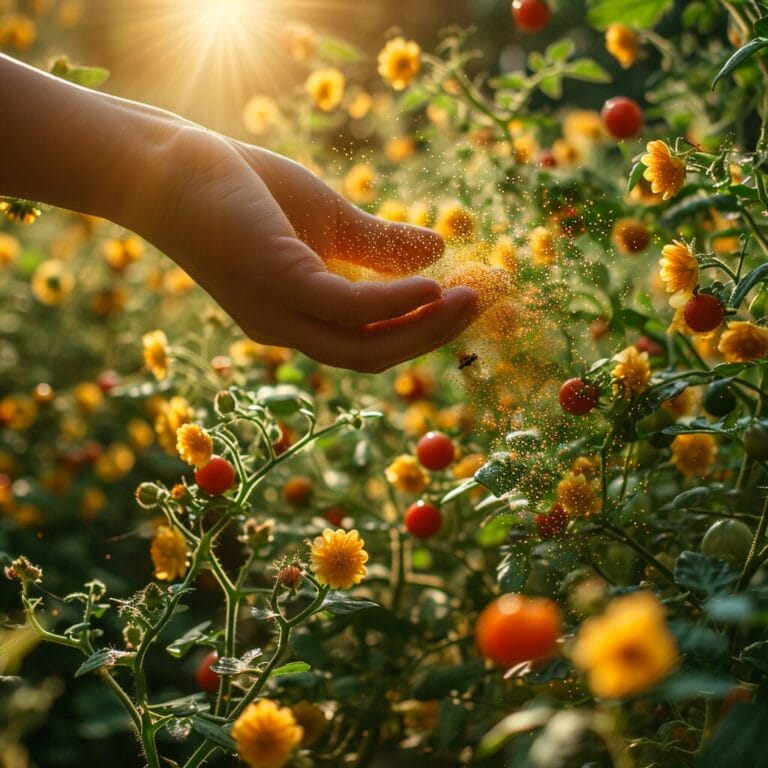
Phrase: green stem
[754,561]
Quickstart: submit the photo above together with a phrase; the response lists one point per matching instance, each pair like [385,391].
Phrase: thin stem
[754,560]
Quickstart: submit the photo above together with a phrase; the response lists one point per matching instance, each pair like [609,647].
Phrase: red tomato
[647,344]
[703,313]
[423,519]
[622,117]
[531,15]
[435,450]
[553,523]
[207,679]
[577,397]
[515,628]
[335,515]
[297,490]
[216,477]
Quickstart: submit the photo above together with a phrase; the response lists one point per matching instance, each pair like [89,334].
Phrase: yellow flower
[260,114]
[155,349]
[266,734]
[666,173]
[524,148]
[170,417]
[360,183]
[455,222]
[338,558]
[359,104]
[631,235]
[115,462]
[10,249]
[566,152]
[194,445]
[632,373]
[17,31]
[119,253]
[621,43]
[301,42]
[589,466]
[679,271]
[17,411]
[420,214]
[140,434]
[577,495]
[694,455]
[503,255]
[326,88]
[51,283]
[88,397]
[312,721]
[399,148]
[393,210]
[169,553]
[743,341]
[399,62]
[542,244]
[628,649]
[583,124]
[407,475]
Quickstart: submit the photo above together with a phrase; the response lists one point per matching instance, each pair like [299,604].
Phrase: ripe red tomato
[435,450]
[515,628]
[703,313]
[216,477]
[553,523]
[622,117]
[577,397]
[207,679]
[531,15]
[423,519]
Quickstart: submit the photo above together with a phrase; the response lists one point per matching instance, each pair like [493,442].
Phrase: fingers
[374,348]
[386,246]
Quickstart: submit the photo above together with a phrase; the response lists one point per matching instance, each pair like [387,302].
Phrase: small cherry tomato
[207,679]
[553,523]
[216,477]
[719,399]
[622,117]
[531,15]
[703,313]
[728,540]
[515,628]
[435,451]
[577,397]
[297,491]
[423,519]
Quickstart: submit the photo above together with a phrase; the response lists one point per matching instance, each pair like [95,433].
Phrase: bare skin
[252,228]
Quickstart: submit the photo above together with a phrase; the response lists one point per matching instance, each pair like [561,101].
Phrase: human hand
[254,228]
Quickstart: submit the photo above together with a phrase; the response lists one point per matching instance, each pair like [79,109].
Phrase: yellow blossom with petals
[628,649]
[393,210]
[169,553]
[407,475]
[266,734]
[51,283]
[665,172]
[632,373]
[679,271]
[171,415]
[194,445]
[339,558]
[631,235]
[155,350]
[260,115]
[742,341]
[326,88]
[455,222]
[120,253]
[360,183]
[578,495]
[399,62]
[694,455]
[622,43]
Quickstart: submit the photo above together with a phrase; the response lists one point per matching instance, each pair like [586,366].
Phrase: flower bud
[149,495]
[224,403]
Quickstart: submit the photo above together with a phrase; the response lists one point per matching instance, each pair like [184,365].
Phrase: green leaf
[704,574]
[106,657]
[730,609]
[756,655]
[292,668]
[459,490]
[760,27]
[337,50]
[339,603]
[633,13]
[687,685]
[689,207]
[512,571]
[650,401]
[695,497]
[560,50]
[738,58]
[213,732]
[701,426]
[535,61]
[441,681]
[739,738]
[552,86]
[513,81]
[556,669]
[587,70]
[747,283]
[414,99]
[638,169]
[88,77]
[179,647]
[282,400]
[500,475]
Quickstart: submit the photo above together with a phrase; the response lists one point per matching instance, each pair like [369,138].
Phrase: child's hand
[253,228]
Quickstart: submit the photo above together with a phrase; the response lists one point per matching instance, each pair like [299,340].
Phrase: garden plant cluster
[541,546]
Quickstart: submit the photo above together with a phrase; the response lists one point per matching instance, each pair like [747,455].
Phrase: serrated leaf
[739,57]
[213,732]
[704,574]
[587,70]
[339,603]
[292,668]
[500,475]
[179,647]
[105,657]
[633,13]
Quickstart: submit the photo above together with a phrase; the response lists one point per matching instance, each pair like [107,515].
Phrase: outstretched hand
[255,230]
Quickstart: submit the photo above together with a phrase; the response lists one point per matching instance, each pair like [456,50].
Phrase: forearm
[75,148]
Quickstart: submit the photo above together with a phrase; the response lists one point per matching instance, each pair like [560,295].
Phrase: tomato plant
[423,519]
[577,397]
[622,117]
[216,477]
[531,15]
[719,399]
[207,679]
[435,450]
[703,312]
[728,540]
[515,628]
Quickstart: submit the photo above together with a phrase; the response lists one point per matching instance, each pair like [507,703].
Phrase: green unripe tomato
[758,307]
[719,399]
[756,440]
[728,540]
